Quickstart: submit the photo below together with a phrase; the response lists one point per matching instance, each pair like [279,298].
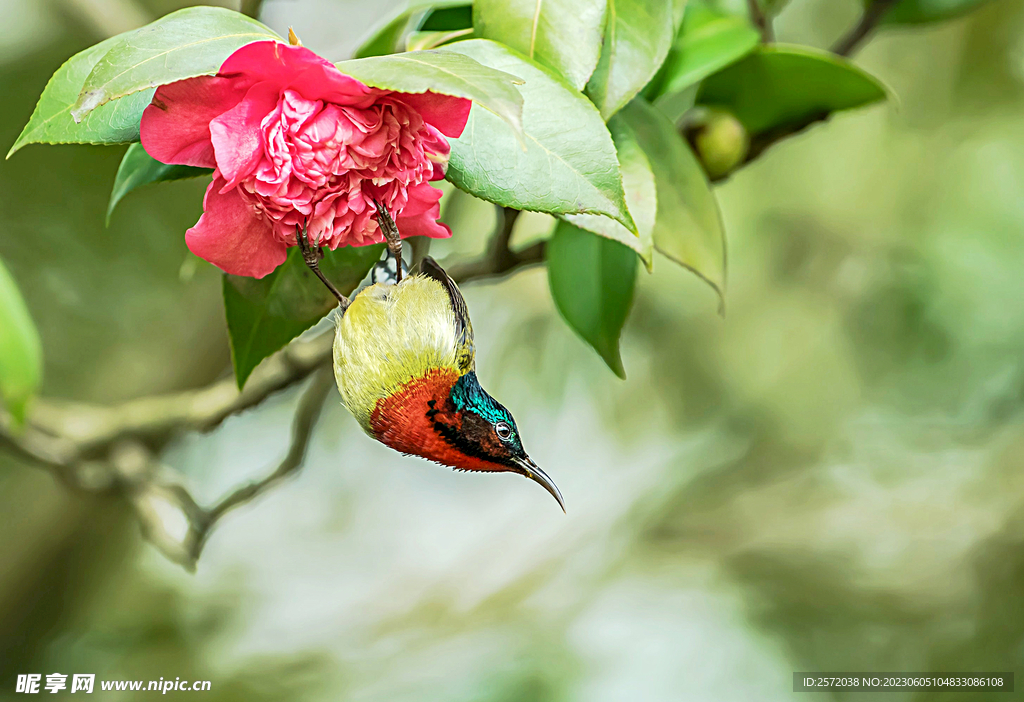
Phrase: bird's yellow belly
[389,336]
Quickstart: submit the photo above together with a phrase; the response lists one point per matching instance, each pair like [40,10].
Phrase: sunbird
[405,365]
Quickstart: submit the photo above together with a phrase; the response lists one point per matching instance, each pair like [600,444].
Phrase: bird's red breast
[407,421]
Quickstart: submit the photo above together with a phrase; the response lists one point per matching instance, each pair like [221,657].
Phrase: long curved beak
[531,470]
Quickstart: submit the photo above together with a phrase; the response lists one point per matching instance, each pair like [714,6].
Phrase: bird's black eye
[503,430]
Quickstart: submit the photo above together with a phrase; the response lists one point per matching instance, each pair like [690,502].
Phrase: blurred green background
[827,478]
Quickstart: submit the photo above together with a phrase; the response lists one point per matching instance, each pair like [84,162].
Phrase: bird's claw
[312,255]
[391,236]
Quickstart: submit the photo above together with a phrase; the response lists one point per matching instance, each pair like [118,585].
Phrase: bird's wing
[463,328]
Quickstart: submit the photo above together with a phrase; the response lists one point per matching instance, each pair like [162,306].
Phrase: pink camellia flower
[295,142]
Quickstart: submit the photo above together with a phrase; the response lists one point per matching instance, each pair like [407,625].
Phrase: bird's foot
[391,236]
[312,256]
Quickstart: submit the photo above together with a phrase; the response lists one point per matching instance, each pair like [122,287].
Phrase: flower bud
[719,139]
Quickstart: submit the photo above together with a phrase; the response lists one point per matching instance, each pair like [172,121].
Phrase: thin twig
[761,21]
[485,268]
[499,258]
[306,415]
[500,254]
[872,14]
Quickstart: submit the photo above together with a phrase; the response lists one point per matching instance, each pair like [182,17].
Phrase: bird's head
[482,434]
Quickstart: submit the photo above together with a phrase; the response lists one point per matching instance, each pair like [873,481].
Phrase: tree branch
[113,449]
[872,14]
[761,21]
[153,420]
[307,413]
[500,259]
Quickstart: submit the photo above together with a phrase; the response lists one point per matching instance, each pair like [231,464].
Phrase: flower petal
[437,149]
[236,135]
[232,237]
[419,216]
[175,128]
[448,114]
[423,225]
[298,68]
[423,199]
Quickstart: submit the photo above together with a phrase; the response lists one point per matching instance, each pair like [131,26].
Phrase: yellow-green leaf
[641,196]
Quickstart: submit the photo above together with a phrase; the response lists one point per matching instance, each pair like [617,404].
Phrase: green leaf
[922,11]
[421,41]
[51,121]
[688,228]
[641,196]
[678,10]
[446,71]
[777,86]
[592,280]
[139,168]
[447,18]
[568,165]
[184,44]
[265,314]
[562,34]
[390,36]
[637,38]
[707,43]
[21,353]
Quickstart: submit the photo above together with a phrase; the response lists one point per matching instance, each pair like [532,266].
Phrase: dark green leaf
[592,280]
[707,43]
[641,196]
[447,18]
[688,228]
[782,86]
[21,353]
[446,71]
[568,165]
[184,44]
[265,314]
[51,122]
[390,36]
[139,168]
[562,34]
[921,11]
[637,38]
